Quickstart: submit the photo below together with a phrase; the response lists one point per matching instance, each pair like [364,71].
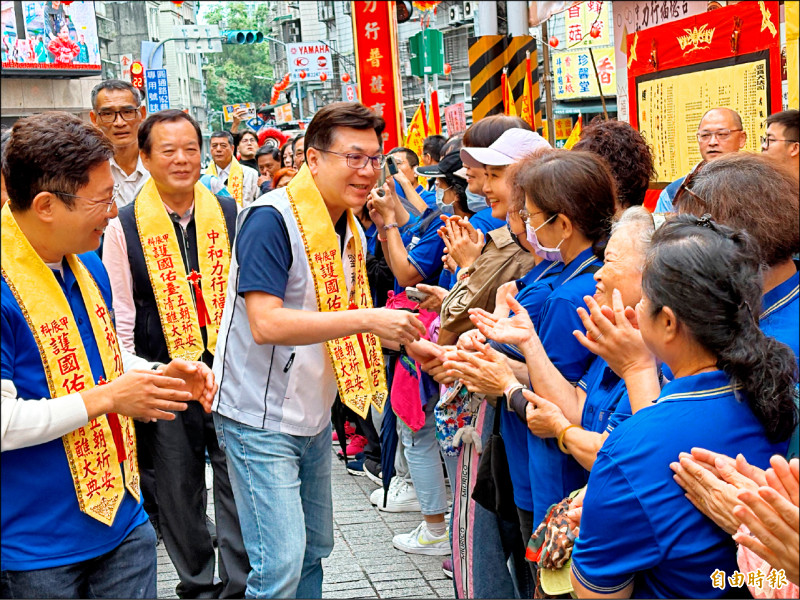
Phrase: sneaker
[422,541]
[372,469]
[402,498]
[356,467]
[447,567]
[355,446]
[349,431]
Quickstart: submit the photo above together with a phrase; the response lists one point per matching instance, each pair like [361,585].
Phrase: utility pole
[548,93]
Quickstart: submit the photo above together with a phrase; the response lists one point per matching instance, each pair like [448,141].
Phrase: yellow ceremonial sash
[357,359]
[94,451]
[181,318]
[235,183]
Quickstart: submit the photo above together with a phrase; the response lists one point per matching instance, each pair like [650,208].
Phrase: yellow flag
[575,135]
[511,109]
[527,107]
[416,131]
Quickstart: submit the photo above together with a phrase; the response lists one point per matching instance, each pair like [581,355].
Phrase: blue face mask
[446,209]
[475,202]
[551,254]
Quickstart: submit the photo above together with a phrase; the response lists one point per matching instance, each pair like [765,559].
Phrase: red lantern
[346,77]
[553,42]
[323,77]
[302,74]
[447,68]
[594,32]
[178,2]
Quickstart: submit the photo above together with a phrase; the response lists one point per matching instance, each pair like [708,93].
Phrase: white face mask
[446,209]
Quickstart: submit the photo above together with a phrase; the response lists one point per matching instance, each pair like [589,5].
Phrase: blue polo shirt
[637,525]
[41,523]
[780,314]
[604,391]
[537,284]
[424,247]
[552,473]
[429,196]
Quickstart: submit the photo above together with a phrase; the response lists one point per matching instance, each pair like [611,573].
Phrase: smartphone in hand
[391,165]
[415,295]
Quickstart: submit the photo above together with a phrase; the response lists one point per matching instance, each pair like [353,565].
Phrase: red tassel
[116,430]
[202,312]
[360,338]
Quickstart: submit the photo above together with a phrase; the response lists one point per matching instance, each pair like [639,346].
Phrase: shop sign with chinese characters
[312,58]
[586,24]
[574,74]
[375,41]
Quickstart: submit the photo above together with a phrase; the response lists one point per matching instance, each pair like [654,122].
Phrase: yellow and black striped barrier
[488,55]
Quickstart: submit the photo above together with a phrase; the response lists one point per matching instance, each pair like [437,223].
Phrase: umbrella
[388,435]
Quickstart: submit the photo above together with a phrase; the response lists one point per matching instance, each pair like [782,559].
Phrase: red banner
[375,42]
[729,33]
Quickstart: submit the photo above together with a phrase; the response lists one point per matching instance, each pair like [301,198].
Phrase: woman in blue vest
[733,388]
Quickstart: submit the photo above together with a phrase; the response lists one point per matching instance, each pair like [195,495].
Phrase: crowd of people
[576,394]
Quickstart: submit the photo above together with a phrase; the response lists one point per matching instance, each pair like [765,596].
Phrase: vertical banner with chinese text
[377,62]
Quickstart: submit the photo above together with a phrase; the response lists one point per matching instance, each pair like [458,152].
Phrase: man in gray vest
[299,326]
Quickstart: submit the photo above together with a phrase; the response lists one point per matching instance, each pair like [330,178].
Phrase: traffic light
[242,36]
[137,75]
[427,44]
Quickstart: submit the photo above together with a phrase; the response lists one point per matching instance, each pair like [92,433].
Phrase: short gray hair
[638,218]
[116,84]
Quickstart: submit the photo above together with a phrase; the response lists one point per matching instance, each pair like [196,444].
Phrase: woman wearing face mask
[570,201]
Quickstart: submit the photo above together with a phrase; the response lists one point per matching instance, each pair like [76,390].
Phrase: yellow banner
[235,183]
[586,24]
[574,74]
[792,33]
[94,451]
[357,360]
[181,319]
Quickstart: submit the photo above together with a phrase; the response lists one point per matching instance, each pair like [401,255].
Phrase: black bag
[493,489]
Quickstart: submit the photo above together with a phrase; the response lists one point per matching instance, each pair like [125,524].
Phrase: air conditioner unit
[454,15]
[326,12]
[470,10]
[294,30]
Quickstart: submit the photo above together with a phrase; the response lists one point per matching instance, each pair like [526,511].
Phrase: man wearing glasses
[720,132]
[299,326]
[118,111]
[782,140]
[72,517]
[168,256]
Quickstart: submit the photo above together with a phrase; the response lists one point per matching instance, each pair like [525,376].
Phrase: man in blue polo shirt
[72,518]
[406,185]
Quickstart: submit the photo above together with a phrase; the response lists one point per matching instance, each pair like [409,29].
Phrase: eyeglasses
[109,203]
[766,141]
[109,116]
[721,135]
[526,216]
[359,161]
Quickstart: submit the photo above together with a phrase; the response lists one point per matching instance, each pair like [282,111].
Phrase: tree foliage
[229,75]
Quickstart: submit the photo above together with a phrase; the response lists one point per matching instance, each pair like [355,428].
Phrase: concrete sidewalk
[363,564]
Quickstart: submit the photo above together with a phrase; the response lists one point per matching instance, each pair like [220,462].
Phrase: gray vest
[289,389]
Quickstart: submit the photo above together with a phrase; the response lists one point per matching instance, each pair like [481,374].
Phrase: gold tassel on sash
[181,319]
[94,451]
[235,183]
[357,359]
